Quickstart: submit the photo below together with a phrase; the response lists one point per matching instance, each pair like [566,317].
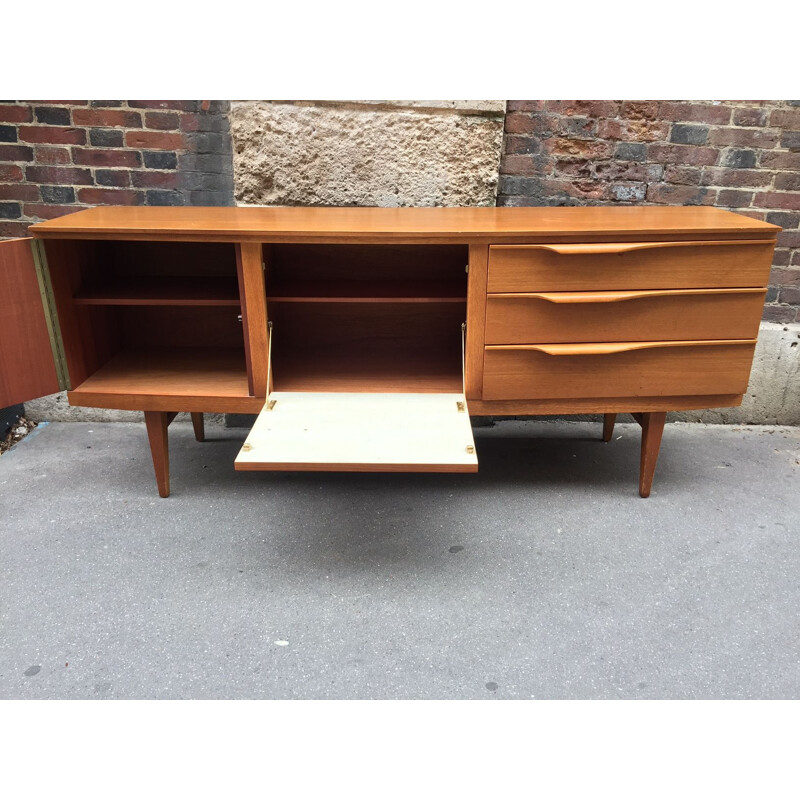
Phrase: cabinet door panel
[27,367]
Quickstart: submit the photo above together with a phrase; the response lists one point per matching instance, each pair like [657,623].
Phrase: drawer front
[638,316]
[651,265]
[651,369]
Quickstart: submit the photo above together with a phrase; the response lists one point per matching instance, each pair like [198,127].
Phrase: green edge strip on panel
[50,313]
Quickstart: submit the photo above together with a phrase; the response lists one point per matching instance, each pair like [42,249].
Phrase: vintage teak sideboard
[365,337]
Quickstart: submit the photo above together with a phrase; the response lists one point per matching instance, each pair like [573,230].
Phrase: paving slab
[543,576]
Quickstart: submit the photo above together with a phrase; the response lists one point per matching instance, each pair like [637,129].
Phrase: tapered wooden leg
[157,423]
[608,426]
[652,423]
[199,429]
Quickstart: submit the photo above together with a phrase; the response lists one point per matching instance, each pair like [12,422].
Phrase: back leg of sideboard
[197,424]
[652,423]
[608,426]
[157,423]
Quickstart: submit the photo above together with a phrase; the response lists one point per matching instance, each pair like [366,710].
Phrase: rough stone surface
[367,153]
[543,576]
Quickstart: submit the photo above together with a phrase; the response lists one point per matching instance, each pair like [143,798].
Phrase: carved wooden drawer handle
[616,248]
[615,297]
[609,348]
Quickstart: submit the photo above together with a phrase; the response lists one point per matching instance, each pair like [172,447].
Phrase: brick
[114,197]
[772,295]
[211,123]
[591,108]
[791,140]
[740,159]
[580,168]
[796,258]
[784,218]
[107,118]
[779,314]
[683,174]
[155,140]
[581,127]
[52,155]
[764,138]
[13,230]
[9,113]
[10,210]
[779,160]
[788,181]
[63,176]
[519,165]
[689,134]
[517,145]
[58,194]
[640,109]
[750,117]
[48,134]
[785,277]
[159,197]
[529,124]
[747,212]
[578,148]
[681,195]
[525,105]
[44,211]
[631,151]
[789,238]
[162,121]
[734,198]
[8,133]
[160,160]
[10,172]
[785,118]
[629,193]
[695,112]
[106,103]
[209,198]
[628,171]
[780,257]
[172,105]
[15,152]
[51,115]
[682,154]
[790,295]
[106,137]
[213,163]
[59,102]
[156,180]
[636,130]
[790,200]
[19,191]
[112,177]
[106,158]
[722,176]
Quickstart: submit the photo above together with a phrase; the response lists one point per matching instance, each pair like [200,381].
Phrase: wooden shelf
[347,372]
[160,291]
[170,379]
[368,292]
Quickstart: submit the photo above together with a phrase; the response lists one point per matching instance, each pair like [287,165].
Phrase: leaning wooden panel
[27,365]
[613,370]
[250,268]
[476,317]
[655,265]
[356,432]
[636,316]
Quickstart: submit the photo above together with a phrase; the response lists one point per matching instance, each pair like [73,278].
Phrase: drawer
[644,265]
[625,369]
[637,316]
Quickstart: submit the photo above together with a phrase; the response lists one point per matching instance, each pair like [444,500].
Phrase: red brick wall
[58,156]
[740,155]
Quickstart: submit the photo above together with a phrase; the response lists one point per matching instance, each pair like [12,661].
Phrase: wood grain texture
[281,224]
[626,317]
[601,405]
[157,423]
[27,368]
[249,261]
[629,369]
[691,265]
[608,426]
[652,429]
[199,426]
[476,320]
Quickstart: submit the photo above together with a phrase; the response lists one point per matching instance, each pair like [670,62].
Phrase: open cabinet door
[28,337]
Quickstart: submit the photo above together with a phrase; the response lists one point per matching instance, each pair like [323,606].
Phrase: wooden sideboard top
[354,224]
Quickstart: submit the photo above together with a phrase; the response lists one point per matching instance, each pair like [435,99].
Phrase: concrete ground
[544,576]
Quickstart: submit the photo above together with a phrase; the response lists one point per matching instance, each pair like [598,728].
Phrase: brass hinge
[50,313]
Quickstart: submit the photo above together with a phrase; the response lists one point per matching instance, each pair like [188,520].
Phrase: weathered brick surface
[59,156]
[741,155]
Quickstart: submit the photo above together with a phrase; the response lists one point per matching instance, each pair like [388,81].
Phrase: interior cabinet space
[149,318]
[367,318]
